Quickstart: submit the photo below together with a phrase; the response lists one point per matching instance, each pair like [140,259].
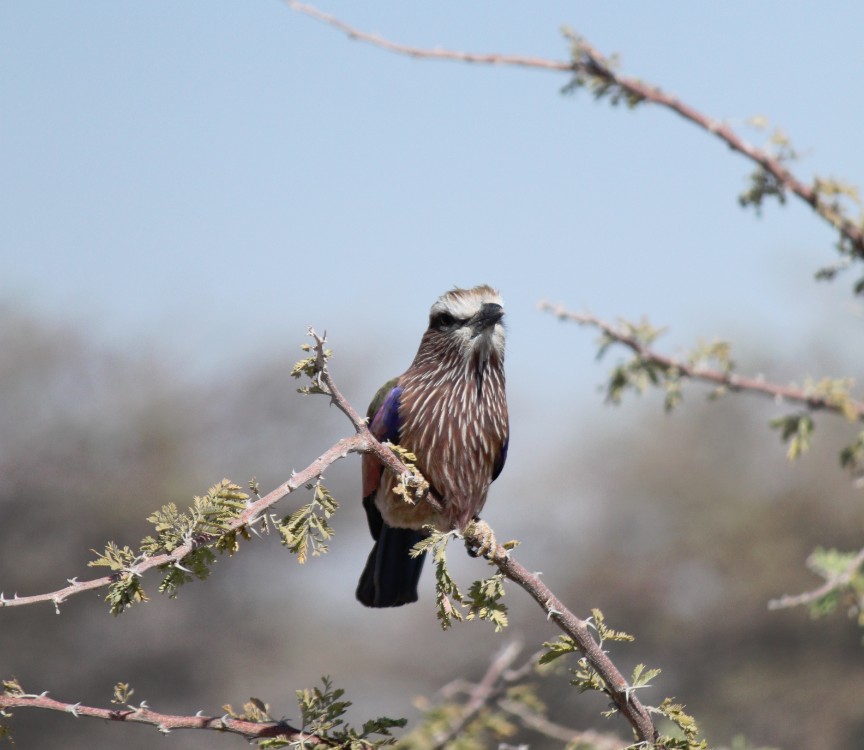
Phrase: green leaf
[796,430]
[484,601]
[306,531]
[556,649]
[642,676]
[605,632]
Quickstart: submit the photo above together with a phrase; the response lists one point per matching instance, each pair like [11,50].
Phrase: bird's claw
[479,539]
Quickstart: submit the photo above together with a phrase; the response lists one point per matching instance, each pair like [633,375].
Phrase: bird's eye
[443,320]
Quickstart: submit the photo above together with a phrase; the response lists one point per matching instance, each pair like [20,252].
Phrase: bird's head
[467,322]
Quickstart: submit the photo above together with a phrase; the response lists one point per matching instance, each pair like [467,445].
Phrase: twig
[163,722]
[573,737]
[492,690]
[481,695]
[440,54]
[838,581]
[591,63]
[355,444]
[721,378]
[478,536]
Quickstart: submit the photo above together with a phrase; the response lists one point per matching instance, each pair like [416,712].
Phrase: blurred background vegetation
[679,527]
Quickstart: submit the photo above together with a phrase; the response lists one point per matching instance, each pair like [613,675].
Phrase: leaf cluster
[797,429]
[322,711]
[848,589]
[483,601]
[311,368]
[686,736]
[597,74]
[586,678]
[122,694]
[412,486]
[836,201]
[210,523]
[306,531]
[645,369]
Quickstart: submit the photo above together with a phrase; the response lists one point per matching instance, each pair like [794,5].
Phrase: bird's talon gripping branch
[479,539]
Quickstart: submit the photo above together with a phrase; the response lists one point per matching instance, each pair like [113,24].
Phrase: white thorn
[74,710]
[73,581]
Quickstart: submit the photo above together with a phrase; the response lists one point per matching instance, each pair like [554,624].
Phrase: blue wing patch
[385,424]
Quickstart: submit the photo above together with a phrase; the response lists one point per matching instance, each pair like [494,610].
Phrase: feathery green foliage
[122,694]
[796,430]
[12,688]
[763,183]
[848,589]
[412,486]
[209,524]
[448,597]
[592,73]
[310,367]
[483,601]
[125,589]
[322,711]
[306,531]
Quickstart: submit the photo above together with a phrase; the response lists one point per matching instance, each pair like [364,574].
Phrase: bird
[449,409]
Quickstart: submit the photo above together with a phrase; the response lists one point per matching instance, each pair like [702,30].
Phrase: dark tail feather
[391,574]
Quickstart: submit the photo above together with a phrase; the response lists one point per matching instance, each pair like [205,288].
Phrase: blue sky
[209,177]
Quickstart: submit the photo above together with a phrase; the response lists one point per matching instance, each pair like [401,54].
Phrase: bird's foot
[479,539]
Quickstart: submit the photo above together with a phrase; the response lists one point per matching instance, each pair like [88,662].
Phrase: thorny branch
[728,380]
[361,442]
[165,723]
[591,63]
[480,536]
[835,582]
[490,687]
[492,690]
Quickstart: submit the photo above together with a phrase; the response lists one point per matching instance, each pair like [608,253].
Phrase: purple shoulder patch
[385,424]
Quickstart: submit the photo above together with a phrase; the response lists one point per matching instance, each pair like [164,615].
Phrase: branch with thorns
[492,691]
[726,379]
[361,442]
[480,536]
[165,723]
[592,69]
[834,583]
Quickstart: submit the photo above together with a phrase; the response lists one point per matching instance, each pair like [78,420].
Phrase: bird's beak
[490,313]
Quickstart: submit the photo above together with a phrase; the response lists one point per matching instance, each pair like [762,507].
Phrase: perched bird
[450,410]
